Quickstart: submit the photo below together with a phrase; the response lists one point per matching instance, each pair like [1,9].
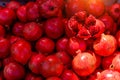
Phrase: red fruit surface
[93,76]
[51,66]
[84,26]
[53,78]
[32,11]
[35,61]
[64,57]
[22,13]
[31,76]
[21,51]
[105,45]
[61,44]
[49,8]
[84,63]
[95,7]
[118,38]
[45,45]
[14,5]
[7,16]
[107,61]
[13,39]
[4,47]
[75,45]
[109,23]
[18,29]
[8,60]
[96,29]
[114,11]
[54,28]
[14,71]
[108,75]
[32,31]
[73,6]
[69,75]
[116,63]
[2,31]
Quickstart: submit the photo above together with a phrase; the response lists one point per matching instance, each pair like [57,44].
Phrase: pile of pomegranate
[60,40]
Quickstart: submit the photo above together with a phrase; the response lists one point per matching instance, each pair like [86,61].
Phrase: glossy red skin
[73,6]
[53,78]
[7,16]
[51,66]
[98,58]
[108,75]
[107,61]
[14,71]
[61,44]
[49,8]
[32,11]
[84,63]
[60,3]
[45,45]
[32,31]
[118,38]
[116,63]
[114,11]
[13,39]
[69,75]
[31,76]
[8,60]
[34,63]
[13,5]
[22,13]
[93,76]
[109,23]
[75,45]
[18,29]
[95,7]
[21,51]
[54,28]
[4,47]
[2,31]
[115,28]
[105,45]
[64,57]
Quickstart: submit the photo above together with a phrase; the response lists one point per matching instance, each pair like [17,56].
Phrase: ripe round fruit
[69,75]
[54,28]
[51,66]
[18,29]
[108,75]
[21,51]
[73,6]
[84,63]
[32,31]
[105,45]
[34,63]
[95,7]
[14,71]
[45,45]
